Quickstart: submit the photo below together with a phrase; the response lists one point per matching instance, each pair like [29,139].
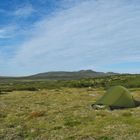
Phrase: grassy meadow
[61,110]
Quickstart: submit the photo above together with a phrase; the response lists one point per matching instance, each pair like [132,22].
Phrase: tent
[117,97]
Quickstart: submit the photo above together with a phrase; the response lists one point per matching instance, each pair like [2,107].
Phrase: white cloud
[2,33]
[88,35]
[24,11]
[8,31]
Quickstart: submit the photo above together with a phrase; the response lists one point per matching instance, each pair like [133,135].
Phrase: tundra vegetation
[61,109]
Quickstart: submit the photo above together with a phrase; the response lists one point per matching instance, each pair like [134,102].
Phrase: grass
[21,84]
[65,114]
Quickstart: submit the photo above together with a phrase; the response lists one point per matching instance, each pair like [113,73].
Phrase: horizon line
[27,75]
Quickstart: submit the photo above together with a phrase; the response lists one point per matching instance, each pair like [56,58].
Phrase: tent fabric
[117,96]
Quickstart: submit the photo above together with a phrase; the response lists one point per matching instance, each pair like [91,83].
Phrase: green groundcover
[117,96]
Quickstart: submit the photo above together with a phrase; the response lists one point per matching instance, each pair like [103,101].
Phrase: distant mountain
[64,75]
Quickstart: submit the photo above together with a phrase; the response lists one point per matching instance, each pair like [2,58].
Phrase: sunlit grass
[65,113]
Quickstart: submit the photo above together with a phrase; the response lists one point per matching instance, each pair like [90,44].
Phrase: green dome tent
[117,97]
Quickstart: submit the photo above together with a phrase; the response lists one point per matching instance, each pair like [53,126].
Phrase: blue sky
[69,35]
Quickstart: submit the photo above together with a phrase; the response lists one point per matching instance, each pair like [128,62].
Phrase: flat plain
[65,114]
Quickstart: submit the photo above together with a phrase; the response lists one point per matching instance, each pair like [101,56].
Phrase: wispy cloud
[8,31]
[91,34]
[2,33]
[24,11]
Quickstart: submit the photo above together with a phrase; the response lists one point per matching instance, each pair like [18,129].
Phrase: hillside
[63,75]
